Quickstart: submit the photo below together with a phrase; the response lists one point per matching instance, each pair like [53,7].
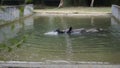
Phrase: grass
[76,10]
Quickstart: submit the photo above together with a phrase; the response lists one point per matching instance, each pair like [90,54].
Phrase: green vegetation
[65,2]
[91,3]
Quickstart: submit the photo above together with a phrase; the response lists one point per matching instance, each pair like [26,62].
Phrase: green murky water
[25,40]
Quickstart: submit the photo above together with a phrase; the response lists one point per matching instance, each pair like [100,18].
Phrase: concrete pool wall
[116,11]
[11,13]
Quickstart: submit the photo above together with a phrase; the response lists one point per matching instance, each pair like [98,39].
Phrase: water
[25,40]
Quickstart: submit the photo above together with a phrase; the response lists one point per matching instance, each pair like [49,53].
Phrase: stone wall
[116,11]
[11,13]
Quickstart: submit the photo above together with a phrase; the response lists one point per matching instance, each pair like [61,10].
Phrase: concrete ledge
[67,12]
[59,64]
[72,14]
[63,66]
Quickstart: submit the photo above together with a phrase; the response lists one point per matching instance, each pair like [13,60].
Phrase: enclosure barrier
[11,13]
[116,11]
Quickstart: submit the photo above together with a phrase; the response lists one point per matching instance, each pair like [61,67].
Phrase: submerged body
[81,31]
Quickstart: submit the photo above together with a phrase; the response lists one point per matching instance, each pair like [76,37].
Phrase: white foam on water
[51,33]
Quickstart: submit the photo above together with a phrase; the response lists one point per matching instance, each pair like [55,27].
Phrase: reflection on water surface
[25,40]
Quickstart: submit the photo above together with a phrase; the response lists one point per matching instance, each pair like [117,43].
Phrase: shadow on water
[25,40]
